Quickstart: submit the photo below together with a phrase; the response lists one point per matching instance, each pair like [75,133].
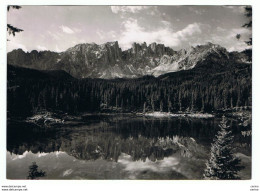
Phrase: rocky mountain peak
[109,61]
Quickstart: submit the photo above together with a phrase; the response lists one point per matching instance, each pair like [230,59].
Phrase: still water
[120,147]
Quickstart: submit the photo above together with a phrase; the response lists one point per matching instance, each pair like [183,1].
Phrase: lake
[120,147]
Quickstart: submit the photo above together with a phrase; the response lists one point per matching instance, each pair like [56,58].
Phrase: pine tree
[222,163]
[248,14]
[11,29]
[34,173]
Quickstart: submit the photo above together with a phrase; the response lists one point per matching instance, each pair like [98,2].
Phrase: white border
[242,185]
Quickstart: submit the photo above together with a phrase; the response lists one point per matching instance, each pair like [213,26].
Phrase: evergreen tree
[34,173]
[222,163]
[248,14]
[248,25]
[11,29]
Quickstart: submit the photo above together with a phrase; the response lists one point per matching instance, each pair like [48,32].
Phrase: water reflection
[126,147]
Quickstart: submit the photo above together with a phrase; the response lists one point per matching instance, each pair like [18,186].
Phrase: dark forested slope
[205,88]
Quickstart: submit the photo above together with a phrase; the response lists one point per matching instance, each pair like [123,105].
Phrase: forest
[202,89]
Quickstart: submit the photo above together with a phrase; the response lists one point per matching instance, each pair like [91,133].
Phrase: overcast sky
[57,28]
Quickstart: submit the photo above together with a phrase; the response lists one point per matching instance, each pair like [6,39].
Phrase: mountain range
[108,61]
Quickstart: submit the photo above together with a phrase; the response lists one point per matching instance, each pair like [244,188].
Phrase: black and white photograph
[129,92]
[158,93]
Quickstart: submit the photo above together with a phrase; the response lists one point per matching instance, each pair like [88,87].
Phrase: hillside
[201,89]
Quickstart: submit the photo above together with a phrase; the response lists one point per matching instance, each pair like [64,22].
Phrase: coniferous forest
[196,90]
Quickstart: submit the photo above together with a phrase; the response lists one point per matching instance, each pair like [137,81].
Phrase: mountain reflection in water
[118,147]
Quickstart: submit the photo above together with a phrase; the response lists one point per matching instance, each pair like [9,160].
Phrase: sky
[57,28]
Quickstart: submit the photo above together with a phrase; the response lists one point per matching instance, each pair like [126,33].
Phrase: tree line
[183,92]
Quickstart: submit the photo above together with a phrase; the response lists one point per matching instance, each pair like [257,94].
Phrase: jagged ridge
[108,61]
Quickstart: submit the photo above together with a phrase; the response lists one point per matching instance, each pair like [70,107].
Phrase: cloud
[67,172]
[15,157]
[133,32]
[100,34]
[39,47]
[196,10]
[66,29]
[129,9]
[238,45]
[227,38]
[220,29]
[55,35]
[188,31]
[242,31]
[123,11]
[109,35]
[11,45]
[166,23]
[42,154]
[137,167]
[57,48]
[236,9]
[77,30]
